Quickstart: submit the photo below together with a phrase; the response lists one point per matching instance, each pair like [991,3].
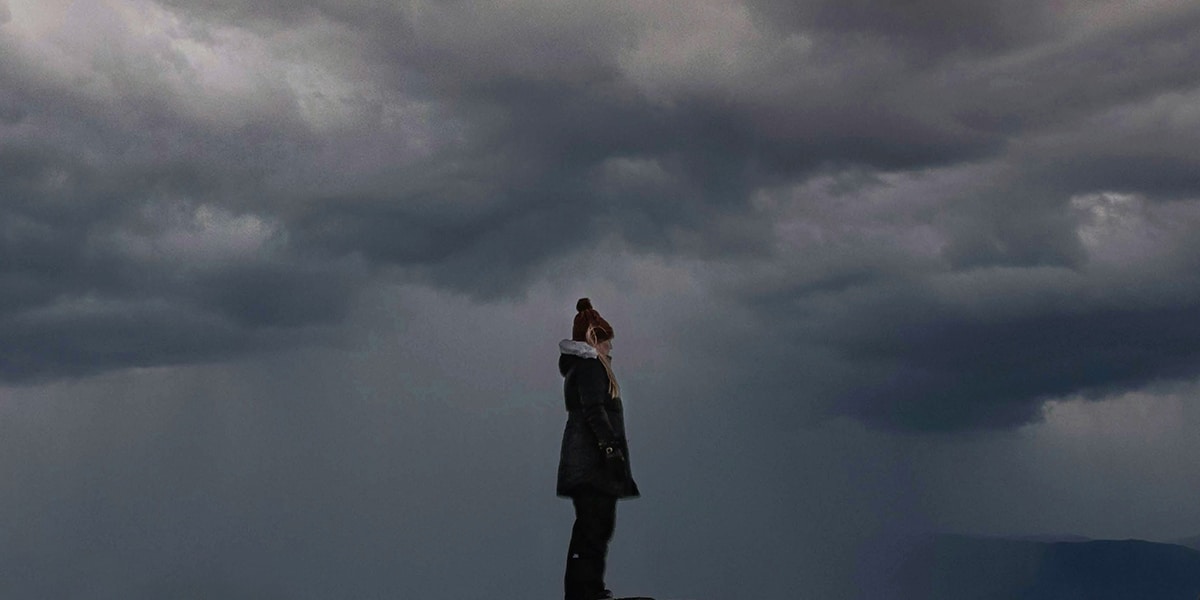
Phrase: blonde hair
[614,390]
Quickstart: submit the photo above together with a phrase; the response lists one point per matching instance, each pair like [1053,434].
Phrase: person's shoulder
[569,362]
[590,367]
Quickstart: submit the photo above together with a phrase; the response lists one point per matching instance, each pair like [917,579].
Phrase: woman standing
[593,467]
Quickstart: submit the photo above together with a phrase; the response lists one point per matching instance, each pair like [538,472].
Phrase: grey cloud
[955,300]
[1014,225]
[897,358]
[78,299]
[1164,177]
[85,341]
[944,374]
[1073,79]
[128,235]
[1136,148]
[158,317]
[941,347]
[469,148]
[932,27]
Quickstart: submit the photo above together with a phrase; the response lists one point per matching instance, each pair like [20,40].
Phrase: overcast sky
[281,285]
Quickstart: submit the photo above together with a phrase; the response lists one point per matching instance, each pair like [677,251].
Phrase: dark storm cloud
[100,271]
[131,232]
[931,26]
[535,127]
[468,146]
[1006,303]
[1104,112]
[904,355]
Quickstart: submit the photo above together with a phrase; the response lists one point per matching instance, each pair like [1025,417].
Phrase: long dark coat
[592,417]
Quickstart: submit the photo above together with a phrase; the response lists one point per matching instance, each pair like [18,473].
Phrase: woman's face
[604,348]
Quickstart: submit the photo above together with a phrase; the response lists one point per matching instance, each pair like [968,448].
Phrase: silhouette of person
[593,468]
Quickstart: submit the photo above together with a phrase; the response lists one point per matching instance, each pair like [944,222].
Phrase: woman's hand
[614,463]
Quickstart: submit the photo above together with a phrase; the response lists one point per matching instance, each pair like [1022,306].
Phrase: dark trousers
[595,517]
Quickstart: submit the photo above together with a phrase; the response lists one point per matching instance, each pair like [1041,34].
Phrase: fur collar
[580,349]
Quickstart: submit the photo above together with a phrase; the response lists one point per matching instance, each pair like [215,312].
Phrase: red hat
[586,318]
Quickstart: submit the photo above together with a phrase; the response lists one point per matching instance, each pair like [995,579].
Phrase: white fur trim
[581,349]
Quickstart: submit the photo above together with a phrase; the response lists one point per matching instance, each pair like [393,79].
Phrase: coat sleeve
[593,392]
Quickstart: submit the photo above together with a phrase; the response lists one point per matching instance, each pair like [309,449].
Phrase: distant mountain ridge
[1191,542]
[1051,539]
[953,567]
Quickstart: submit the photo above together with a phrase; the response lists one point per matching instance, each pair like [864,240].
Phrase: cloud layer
[921,217]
